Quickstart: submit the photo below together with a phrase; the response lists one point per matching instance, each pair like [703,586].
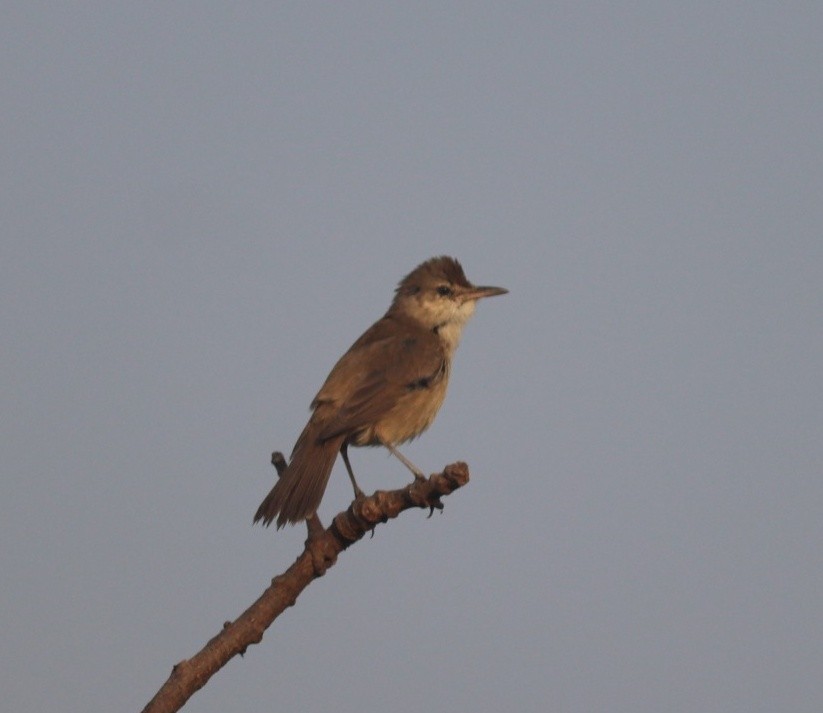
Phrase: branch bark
[320,552]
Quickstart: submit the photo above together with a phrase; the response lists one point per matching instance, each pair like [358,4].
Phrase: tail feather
[297,493]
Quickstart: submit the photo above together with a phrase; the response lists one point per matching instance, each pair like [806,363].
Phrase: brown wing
[390,359]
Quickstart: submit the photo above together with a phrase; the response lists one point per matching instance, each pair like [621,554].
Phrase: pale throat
[451,330]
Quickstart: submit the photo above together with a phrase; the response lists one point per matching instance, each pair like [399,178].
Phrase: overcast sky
[204,204]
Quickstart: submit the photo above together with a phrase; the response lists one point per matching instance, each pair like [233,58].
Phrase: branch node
[314,527]
[346,526]
[278,460]
[322,554]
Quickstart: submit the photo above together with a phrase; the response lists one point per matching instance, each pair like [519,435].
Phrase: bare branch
[320,553]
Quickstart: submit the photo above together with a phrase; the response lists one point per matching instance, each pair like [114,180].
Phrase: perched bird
[385,390]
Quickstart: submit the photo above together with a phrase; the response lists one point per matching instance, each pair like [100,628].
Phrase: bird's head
[437,295]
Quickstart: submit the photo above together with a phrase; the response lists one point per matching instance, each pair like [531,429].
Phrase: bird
[384,391]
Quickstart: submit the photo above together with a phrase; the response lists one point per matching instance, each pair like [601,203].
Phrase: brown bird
[385,390]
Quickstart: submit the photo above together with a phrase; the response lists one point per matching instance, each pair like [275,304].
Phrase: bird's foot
[435,504]
[432,501]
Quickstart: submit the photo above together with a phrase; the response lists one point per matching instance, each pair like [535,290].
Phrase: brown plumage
[385,390]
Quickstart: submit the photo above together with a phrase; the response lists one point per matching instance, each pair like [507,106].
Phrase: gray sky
[203,205]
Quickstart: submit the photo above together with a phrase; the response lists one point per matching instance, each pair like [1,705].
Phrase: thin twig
[320,553]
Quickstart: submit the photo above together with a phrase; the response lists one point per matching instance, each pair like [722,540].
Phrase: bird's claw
[435,505]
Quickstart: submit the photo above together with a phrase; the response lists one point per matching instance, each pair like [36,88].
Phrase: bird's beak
[476,293]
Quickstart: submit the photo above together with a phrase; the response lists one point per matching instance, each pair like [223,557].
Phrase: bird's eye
[444,291]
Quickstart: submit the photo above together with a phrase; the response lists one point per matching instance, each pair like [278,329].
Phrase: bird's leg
[418,474]
[344,451]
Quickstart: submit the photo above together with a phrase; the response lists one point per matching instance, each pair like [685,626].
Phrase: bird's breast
[413,414]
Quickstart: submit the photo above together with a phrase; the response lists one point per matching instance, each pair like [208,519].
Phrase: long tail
[298,492]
